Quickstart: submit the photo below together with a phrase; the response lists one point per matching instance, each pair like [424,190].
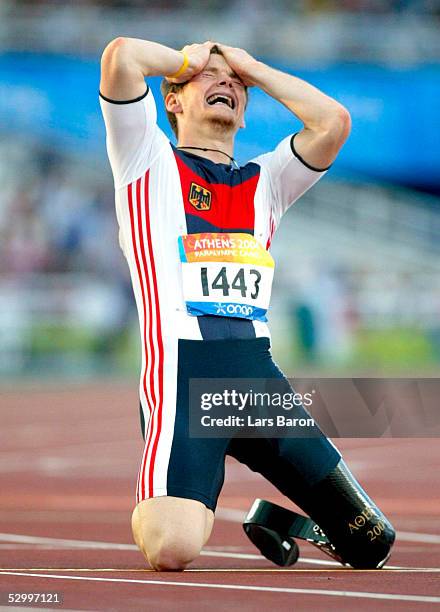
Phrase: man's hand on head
[241,62]
[198,56]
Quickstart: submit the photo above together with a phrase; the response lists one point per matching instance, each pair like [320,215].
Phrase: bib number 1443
[221,282]
[226,275]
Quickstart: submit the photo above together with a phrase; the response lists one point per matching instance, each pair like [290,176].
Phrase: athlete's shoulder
[134,139]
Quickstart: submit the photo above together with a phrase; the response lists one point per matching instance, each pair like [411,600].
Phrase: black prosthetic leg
[345,523]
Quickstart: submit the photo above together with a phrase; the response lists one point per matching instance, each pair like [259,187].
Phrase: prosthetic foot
[344,523]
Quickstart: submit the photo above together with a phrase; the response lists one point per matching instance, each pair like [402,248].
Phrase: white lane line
[239,587]
[226,514]
[230,514]
[211,570]
[237,516]
[24,539]
[88,544]
[412,536]
[63,543]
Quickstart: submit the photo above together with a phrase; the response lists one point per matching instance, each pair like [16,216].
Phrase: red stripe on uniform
[133,235]
[159,338]
[154,332]
[149,345]
[141,283]
[150,354]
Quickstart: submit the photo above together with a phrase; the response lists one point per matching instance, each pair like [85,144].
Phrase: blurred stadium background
[358,279]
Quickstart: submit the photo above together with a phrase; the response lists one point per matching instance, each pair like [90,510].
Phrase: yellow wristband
[182,68]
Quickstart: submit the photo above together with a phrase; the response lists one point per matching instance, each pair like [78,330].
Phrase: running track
[68,465]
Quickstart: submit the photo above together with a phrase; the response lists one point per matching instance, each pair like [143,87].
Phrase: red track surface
[68,464]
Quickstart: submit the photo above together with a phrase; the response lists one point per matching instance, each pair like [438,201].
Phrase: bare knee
[170,554]
[170,532]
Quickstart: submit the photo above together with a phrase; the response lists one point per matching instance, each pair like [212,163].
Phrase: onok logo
[239,309]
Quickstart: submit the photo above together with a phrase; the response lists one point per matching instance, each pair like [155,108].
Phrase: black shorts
[192,467]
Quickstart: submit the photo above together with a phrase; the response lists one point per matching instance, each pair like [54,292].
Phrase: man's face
[215,96]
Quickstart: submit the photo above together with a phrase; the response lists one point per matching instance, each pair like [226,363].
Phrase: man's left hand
[241,62]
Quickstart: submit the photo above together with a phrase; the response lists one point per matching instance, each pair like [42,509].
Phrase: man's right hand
[198,57]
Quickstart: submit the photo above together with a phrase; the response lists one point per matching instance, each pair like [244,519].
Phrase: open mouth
[221,99]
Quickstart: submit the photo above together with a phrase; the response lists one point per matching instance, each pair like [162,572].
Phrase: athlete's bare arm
[326,122]
[127,61]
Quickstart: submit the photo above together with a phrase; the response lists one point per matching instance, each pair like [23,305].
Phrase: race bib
[226,274]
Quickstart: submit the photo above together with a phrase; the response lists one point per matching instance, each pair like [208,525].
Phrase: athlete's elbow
[335,127]
[115,44]
[114,50]
[339,124]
